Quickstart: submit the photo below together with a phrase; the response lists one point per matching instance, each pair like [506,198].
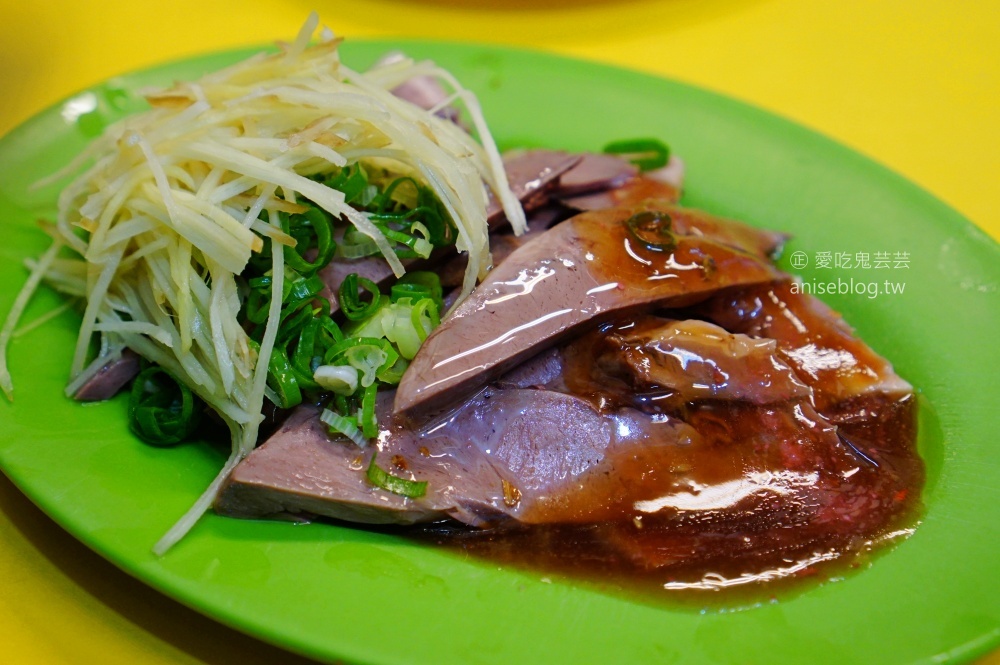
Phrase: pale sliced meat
[537,456]
[595,172]
[110,379]
[503,244]
[764,243]
[301,469]
[423,91]
[501,456]
[580,272]
[531,174]
[632,193]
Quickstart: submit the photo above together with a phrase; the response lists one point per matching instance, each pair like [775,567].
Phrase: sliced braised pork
[812,338]
[665,361]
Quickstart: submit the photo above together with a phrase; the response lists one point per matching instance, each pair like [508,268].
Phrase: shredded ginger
[175,200]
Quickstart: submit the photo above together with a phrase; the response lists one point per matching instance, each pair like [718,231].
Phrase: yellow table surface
[914,84]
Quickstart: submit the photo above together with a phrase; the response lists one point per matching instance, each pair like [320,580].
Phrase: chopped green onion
[382,479]
[318,335]
[350,301]
[299,287]
[425,317]
[330,327]
[416,223]
[342,347]
[401,290]
[652,229]
[370,355]
[369,424]
[298,291]
[313,223]
[392,374]
[352,181]
[355,245]
[339,424]
[422,246]
[412,247]
[282,379]
[162,409]
[388,195]
[419,284]
[311,354]
[435,216]
[304,356]
[293,318]
[647,154]
[403,324]
[406,328]
[341,379]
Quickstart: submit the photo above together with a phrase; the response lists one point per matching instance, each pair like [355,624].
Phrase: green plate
[336,592]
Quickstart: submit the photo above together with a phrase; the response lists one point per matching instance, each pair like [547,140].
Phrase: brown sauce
[740,550]
[687,261]
[772,465]
[759,497]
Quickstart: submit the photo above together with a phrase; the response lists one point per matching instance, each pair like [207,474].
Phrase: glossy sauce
[814,339]
[696,264]
[580,273]
[794,463]
[750,502]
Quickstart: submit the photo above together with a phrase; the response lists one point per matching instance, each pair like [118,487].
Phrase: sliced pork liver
[110,379]
[302,470]
[537,456]
[595,172]
[427,93]
[632,193]
[501,454]
[503,244]
[531,174]
[578,273]
[751,460]
[423,91]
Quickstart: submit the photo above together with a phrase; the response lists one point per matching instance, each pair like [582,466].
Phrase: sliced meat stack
[638,379]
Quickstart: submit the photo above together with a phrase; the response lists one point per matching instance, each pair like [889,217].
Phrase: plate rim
[972,233]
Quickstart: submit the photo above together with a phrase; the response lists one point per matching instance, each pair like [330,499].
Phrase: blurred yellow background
[914,85]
